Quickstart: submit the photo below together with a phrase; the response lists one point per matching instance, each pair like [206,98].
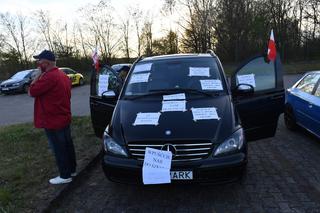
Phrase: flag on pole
[272,52]
[95,59]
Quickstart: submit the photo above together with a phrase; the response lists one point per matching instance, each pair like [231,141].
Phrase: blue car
[303,104]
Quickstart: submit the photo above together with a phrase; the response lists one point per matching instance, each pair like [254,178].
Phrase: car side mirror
[244,89]
[110,94]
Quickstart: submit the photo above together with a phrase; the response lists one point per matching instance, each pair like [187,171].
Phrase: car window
[20,75]
[186,73]
[106,82]
[308,82]
[258,73]
[317,92]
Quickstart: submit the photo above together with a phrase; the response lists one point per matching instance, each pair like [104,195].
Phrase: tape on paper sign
[211,84]
[207,113]
[199,71]
[173,106]
[103,84]
[247,79]
[142,67]
[139,78]
[148,118]
[180,96]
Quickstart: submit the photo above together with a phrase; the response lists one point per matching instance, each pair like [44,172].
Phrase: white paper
[199,71]
[247,79]
[173,106]
[103,84]
[207,113]
[142,67]
[156,166]
[180,96]
[212,84]
[149,118]
[139,78]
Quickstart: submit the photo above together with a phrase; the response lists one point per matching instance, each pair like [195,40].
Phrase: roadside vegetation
[27,163]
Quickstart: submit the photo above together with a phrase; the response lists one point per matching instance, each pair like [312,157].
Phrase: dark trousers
[62,145]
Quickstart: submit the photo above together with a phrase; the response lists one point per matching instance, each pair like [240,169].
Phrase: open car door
[258,94]
[104,92]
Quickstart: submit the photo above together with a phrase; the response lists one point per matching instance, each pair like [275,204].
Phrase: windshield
[174,75]
[20,75]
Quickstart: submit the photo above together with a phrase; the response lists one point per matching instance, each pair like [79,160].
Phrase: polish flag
[272,52]
[95,59]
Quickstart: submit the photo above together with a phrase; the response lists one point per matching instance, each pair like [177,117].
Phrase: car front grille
[185,151]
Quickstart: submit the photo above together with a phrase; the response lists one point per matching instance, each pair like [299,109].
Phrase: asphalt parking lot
[283,176]
[18,108]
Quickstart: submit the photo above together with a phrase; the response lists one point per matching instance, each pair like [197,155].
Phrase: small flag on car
[95,59]
[272,52]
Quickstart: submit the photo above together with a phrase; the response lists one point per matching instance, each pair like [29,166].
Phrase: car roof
[177,56]
[313,71]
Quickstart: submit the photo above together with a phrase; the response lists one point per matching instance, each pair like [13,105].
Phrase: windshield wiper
[133,97]
[188,90]
[154,92]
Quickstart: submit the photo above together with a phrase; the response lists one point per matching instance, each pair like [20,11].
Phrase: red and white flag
[95,59]
[272,52]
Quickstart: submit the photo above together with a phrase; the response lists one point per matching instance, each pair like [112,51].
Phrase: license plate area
[181,175]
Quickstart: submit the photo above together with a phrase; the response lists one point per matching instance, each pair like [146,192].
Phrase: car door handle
[310,105]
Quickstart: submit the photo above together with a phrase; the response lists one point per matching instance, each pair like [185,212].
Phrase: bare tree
[137,19]
[18,28]
[44,26]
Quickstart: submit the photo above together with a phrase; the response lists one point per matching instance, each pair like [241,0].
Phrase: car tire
[81,82]
[26,88]
[289,118]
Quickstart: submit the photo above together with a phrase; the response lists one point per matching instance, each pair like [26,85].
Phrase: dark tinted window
[192,73]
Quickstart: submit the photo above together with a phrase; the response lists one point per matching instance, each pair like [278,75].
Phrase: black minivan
[185,104]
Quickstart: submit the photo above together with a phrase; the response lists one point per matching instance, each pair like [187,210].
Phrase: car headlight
[233,143]
[16,84]
[110,145]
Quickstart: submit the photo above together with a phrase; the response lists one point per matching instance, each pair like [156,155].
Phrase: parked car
[183,103]
[302,106]
[19,82]
[75,77]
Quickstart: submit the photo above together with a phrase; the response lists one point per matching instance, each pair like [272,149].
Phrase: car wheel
[289,119]
[81,81]
[26,88]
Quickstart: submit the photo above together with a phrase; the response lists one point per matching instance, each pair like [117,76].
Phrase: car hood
[10,81]
[180,125]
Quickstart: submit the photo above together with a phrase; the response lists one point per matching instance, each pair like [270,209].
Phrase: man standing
[52,92]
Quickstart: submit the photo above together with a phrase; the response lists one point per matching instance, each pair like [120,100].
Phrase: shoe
[59,180]
[74,174]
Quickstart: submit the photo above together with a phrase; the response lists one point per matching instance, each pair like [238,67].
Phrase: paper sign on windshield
[156,166]
[207,113]
[139,78]
[199,71]
[149,118]
[180,96]
[103,84]
[173,106]
[212,84]
[142,67]
[247,79]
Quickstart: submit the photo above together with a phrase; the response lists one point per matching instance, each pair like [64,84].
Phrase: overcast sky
[65,8]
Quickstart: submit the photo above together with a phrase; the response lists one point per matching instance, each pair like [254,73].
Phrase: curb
[61,194]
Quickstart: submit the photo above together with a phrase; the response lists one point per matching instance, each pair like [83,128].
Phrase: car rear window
[189,73]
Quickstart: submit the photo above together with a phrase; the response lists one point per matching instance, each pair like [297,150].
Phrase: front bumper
[210,170]
[11,89]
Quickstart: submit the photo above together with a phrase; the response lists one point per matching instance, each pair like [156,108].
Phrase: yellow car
[75,77]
